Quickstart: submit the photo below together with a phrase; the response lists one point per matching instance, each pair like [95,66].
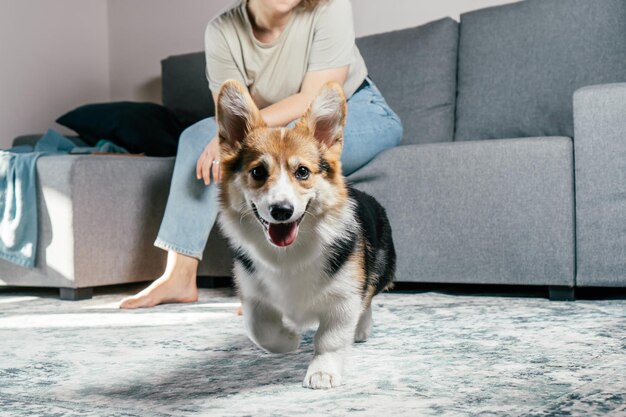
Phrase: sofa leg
[561,293]
[213,282]
[75,294]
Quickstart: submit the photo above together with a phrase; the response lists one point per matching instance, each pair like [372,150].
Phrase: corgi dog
[309,249]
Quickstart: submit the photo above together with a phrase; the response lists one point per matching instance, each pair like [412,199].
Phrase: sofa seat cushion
[484,212]
[519,64]
[415,69]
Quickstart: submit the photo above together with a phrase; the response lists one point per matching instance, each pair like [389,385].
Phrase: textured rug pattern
[430,354]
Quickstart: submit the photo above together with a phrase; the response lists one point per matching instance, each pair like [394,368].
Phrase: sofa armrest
[599,110]
[27,139]
[600,181]
[118,203]
[98,217]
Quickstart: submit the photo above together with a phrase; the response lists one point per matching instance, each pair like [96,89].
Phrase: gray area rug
[431,354]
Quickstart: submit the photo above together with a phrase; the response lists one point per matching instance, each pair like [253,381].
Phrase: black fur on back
[380,254]
[340,252]
[375,231]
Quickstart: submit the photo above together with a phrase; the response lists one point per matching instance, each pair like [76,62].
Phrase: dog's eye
[259,173]
[302,173]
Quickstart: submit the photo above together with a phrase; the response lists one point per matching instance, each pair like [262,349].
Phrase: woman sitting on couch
[284,51]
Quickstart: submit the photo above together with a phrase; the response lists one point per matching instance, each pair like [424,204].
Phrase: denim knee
[396,132]
[198,135]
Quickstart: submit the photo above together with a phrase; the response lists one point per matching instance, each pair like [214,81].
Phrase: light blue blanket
[18,192]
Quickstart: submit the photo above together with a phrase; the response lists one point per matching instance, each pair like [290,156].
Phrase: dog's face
[281,176]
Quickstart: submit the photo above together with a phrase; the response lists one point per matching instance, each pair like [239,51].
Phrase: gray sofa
[512,168]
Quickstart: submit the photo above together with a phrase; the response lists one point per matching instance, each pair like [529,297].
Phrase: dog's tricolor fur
[309,249]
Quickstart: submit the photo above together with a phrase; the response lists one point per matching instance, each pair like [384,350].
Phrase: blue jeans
[192,207]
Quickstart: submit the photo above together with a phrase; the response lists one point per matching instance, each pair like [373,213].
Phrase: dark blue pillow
[147,128]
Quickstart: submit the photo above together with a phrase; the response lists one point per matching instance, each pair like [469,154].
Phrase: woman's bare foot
[176,285]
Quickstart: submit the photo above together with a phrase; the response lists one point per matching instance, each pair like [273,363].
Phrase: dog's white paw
[288,341]
[364,327]
[321,380]
[283,341]
[361,335]
[324,372]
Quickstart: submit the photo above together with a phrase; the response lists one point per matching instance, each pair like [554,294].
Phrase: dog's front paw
[322,374]
[321,380]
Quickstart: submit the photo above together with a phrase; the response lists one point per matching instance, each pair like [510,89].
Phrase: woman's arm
[291,108]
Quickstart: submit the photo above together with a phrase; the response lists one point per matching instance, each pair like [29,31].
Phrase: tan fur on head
[236,114]
[316,142]
[325,118]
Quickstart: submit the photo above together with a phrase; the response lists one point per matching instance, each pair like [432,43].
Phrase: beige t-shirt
[314,40]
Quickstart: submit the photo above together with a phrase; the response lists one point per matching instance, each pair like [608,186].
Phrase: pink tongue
[283,234]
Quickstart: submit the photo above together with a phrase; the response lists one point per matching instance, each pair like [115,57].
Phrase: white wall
[53,57]
[142,32]
[58,54]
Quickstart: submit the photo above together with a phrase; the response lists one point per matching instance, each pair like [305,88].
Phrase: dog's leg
[332,342]
[364,327]
[264,325]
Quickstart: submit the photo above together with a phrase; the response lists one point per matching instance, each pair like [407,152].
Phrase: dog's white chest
[298,294]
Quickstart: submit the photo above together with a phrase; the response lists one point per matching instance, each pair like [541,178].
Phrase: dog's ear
[236,114]
[326,116]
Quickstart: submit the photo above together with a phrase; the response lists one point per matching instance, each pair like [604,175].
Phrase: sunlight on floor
[115,306]
[121,319]
[8,300]
[215,305]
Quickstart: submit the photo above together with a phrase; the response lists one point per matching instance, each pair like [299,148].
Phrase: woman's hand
[209,162]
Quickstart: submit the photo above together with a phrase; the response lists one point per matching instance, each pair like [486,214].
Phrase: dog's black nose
[281,211]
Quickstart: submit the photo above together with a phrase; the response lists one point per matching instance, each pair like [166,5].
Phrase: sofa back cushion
[519,64]
[415,69]
[185,87]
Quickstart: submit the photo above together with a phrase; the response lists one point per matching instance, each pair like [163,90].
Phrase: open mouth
[280,234]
